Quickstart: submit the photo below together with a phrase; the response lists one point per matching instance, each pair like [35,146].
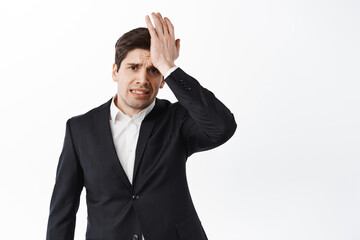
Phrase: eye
[154,70]
[132,67]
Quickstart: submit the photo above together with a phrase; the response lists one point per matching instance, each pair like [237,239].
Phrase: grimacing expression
[138,81]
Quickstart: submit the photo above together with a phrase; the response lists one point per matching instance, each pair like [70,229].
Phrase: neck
[124,108]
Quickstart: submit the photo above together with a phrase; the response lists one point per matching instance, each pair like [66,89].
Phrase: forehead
[140,56]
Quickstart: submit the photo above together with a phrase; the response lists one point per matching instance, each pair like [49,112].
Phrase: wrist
[165,68]
[170,71]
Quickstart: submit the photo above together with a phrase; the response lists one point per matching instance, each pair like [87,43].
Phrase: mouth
[140,92]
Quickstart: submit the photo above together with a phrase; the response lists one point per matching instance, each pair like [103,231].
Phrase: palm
[164,50]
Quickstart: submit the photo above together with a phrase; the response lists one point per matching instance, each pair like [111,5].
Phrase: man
[130,152]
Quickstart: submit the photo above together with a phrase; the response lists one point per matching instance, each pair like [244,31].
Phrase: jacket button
[135,196]
[135,237]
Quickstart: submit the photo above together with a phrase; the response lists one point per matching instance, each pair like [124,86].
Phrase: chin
[141,105]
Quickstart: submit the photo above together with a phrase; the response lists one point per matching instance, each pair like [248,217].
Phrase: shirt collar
[116,112]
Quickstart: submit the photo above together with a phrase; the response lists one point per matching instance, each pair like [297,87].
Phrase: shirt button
[135,237]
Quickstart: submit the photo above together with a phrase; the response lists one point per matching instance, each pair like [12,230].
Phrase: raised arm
[206,121]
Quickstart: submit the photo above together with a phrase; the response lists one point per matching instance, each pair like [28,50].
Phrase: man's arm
[66,194]
[207,122]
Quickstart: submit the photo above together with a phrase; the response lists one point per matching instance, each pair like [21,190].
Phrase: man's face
[138,81]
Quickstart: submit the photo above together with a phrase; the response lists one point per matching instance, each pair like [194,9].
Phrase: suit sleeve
[206,122]
[66,193]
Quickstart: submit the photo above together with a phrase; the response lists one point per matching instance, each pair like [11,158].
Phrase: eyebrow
[139,64]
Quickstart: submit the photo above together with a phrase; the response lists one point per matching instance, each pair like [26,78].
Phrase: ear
[162,82]
[114,73]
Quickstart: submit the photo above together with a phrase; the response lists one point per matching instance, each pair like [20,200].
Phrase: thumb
[177,43]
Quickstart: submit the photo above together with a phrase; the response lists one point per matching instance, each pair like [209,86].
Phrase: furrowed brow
[134,64]
[140,65]
[151,67]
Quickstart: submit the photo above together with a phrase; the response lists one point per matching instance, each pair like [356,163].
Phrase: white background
[288,70]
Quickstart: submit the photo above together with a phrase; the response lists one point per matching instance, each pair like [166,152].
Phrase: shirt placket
[130,145]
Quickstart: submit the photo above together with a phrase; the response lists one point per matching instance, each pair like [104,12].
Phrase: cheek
[122,89]
[157,83]
[122,85]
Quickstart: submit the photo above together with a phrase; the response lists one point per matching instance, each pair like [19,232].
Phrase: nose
[142,78]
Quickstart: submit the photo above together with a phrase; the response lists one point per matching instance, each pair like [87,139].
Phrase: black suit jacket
[158,202]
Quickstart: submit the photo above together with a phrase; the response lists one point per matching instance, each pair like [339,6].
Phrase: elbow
[228,128]
[225,130]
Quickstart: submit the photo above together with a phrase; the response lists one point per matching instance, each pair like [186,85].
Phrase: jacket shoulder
[85,116]
[167,107]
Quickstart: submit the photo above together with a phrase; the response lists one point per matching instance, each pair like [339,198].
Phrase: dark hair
[136,38]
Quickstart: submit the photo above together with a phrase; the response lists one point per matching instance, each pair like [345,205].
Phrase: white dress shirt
[125,132]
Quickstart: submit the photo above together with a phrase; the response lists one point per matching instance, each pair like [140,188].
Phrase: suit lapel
[145,131]
[105,133]
[104,130]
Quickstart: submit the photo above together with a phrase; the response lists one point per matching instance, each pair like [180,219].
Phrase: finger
[158,24]
[150,26]
[165,29]
[170,27]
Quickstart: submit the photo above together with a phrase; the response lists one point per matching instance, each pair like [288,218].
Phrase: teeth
[138,92]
